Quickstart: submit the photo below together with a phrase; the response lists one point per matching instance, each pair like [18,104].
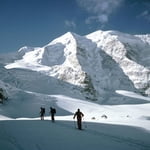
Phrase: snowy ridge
[126,49]
[79,60]
[144,38]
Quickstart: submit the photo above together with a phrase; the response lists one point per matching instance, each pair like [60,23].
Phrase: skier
[79,116]
[52,112]
[42,112]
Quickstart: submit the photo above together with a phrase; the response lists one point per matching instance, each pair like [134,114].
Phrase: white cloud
[70,24]
[100,9]
[90,19]
[101,18]
[145,14]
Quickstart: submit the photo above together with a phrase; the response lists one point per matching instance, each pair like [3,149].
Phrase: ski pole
[74,123]
[85,125]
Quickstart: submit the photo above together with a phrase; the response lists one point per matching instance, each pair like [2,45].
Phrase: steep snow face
[57,59]
[64,54]
[99,63]
[130,52]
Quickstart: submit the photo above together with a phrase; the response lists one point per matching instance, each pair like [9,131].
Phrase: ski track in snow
[128,141]
[87,132]
[105,129]
[91,127]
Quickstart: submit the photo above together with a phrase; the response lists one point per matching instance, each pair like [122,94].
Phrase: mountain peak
[99,57]
[65,38]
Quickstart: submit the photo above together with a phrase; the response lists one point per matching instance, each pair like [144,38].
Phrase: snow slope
[103,73]
[115,132]
[62,135]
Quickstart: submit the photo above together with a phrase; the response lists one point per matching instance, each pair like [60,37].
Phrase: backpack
[54,110]
[43,110]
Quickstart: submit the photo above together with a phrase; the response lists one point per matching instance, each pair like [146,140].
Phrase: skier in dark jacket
[79,116]
[52,112]
[42,113]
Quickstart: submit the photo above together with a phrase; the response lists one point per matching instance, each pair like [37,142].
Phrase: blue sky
[37,22]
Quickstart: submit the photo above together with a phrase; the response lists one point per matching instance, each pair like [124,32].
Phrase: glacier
[102,73]
[99,63]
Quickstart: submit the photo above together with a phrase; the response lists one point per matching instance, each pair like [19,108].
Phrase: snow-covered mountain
[88,72]
[97,64]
